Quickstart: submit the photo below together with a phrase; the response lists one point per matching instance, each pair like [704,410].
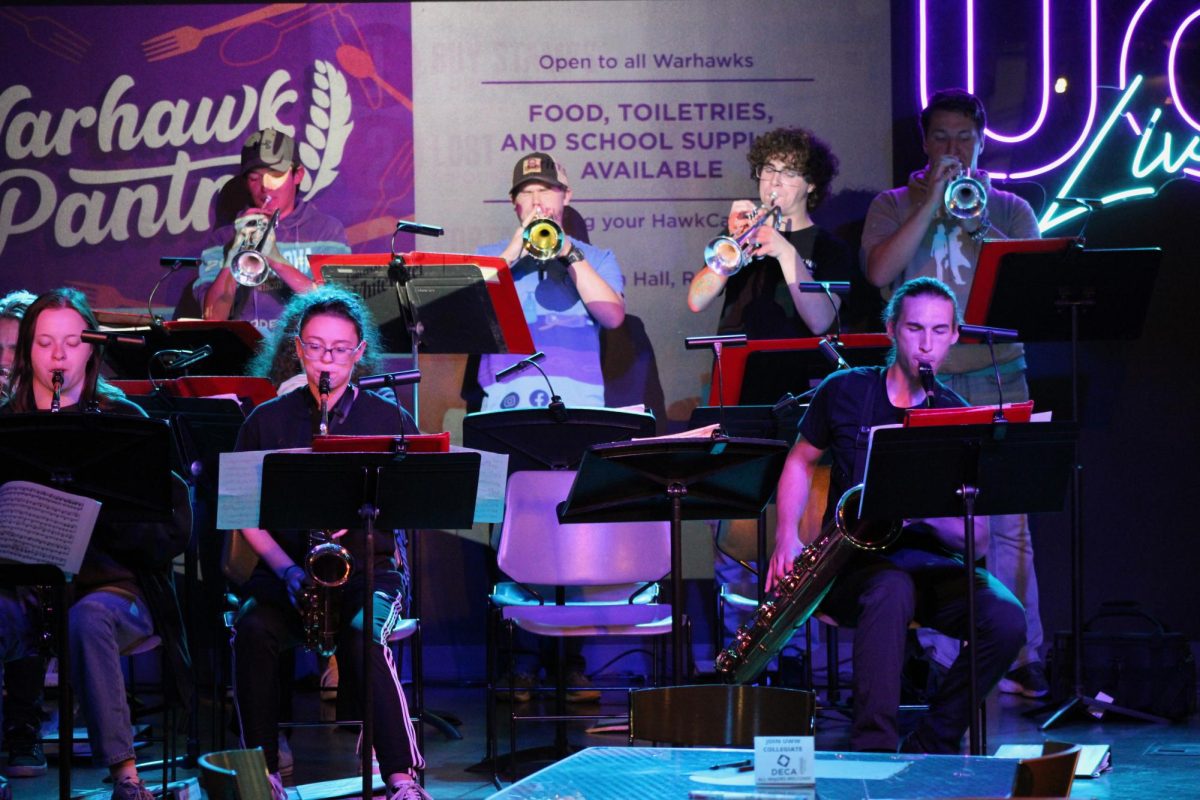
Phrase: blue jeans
[104,624]
[1010,548]
[16,642]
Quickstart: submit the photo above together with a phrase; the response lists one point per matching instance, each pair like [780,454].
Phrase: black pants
[880,595]
[268,626]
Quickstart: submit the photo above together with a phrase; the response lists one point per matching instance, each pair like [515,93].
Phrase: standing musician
[336,343]
[794,170]
[910,233]
[272,177]
[124,591]
[921,576]
[21,675]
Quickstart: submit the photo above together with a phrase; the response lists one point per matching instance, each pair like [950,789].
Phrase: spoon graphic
[358,62]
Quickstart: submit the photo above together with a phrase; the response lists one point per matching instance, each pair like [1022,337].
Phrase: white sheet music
[493,477]
[40,525]
[239,491]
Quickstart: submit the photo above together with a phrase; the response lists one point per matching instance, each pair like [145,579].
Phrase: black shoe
[25,759]
[1028,681]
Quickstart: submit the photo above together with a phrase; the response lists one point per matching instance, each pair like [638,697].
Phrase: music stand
[124,462]
[344,490]
[967,471]
[1072,294]
[233,343]
[675,479]
[534,439]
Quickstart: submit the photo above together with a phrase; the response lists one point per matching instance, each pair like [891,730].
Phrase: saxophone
[327,565]
[801,590]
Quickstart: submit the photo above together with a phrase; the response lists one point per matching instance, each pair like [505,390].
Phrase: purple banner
[121,124]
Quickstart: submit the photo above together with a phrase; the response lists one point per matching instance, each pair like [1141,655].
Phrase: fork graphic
[187,38]
[49,34]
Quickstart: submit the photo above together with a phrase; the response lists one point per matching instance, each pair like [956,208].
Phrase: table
[620,773]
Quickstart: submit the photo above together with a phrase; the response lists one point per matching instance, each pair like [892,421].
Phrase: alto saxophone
[801,590]
[328,566]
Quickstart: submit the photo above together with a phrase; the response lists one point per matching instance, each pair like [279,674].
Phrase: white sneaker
[408,790]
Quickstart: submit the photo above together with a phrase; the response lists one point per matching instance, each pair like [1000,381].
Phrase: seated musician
[338,339]
[921,576]
[124,591]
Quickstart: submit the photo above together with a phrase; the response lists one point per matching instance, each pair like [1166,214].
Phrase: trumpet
[248,265]
[965,197]
[328,566]
[56,381]
[543,238]
[726,255]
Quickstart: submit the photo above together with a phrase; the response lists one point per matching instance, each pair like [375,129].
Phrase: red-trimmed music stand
[675,479]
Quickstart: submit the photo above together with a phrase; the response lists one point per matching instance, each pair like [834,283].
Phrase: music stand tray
[534,439]
[675,479]
[751,422]
[965,471]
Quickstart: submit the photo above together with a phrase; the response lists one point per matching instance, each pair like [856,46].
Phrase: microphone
[989,333]
[419,228]
[108,338]
[402,378]
[928,382]
[178,262]
[727,340]
[520,366]
[789,401]
[187,358]
[830,351]
[834,287]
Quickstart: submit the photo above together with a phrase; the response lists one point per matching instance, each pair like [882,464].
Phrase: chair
[719,715]
[595,579]
[235,775]
[1049,775]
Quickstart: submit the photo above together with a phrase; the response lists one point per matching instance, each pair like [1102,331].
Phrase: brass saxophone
[801,590]
[327,565]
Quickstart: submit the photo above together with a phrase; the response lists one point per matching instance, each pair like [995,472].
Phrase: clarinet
[56,380]
[323,390]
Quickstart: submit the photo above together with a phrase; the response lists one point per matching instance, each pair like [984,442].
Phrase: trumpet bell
[249,268]
[965,198]
[543,239]
[724,255]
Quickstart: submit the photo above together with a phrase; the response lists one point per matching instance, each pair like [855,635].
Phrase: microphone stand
[717,343]
[399,273]
[990,335]
[392,380]
[829,289]
[173,265]
[557,407]
[100,340]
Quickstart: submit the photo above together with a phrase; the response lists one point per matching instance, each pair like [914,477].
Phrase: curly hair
[21,394]
[799,149]
[276,359]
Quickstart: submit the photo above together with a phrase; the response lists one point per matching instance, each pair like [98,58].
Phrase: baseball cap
[537,167]
[268,148]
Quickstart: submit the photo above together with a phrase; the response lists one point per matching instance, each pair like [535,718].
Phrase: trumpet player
[919,577]
[569,290]
[270,177]
[335,340]
[910,232]
[793,170]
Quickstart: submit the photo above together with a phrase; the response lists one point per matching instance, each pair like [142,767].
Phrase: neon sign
[1152,152]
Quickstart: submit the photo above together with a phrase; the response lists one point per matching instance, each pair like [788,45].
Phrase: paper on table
[493,477]
[41,525]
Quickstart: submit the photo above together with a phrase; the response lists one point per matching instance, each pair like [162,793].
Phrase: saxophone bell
[327,567]
[56,382]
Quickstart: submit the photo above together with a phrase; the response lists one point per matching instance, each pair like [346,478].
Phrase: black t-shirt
[292,420]
[757,300]
[845,407]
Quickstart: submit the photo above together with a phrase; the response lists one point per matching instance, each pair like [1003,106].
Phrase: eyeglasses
[786,176]
[339,353]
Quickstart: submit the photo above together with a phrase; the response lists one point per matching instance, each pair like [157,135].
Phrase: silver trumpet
[328,566]
[726,255]
[56,381]
[543,238]
[248,265]
[965,197]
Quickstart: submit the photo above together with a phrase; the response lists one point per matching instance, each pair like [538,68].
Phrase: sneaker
[26,760]
[522,682]
[580,689]
[287,762]
[277,790]
[408,790]
[1028,680]
[131,789]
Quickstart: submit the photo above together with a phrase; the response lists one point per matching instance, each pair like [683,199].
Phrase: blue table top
[621,773]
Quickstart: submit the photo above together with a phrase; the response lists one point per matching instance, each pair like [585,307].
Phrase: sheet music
[239,491]
[40,525]
[493,477]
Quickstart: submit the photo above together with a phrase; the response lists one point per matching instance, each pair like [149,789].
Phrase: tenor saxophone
[801,590]
[328,566]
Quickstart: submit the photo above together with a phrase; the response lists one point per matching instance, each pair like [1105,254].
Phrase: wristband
[979,233]
[573,255]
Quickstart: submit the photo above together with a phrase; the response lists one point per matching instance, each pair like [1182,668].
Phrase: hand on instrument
[295,578]
[766,241]
[787,549]
[740,217]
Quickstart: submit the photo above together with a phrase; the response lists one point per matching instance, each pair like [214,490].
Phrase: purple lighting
[1137,15]
[1171,70]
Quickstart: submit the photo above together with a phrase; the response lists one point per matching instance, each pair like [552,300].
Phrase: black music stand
[232,342]
[675,479]
[1075,295]
[534,439]
[124,462]
[345,490]
[968,471]
[770,374]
